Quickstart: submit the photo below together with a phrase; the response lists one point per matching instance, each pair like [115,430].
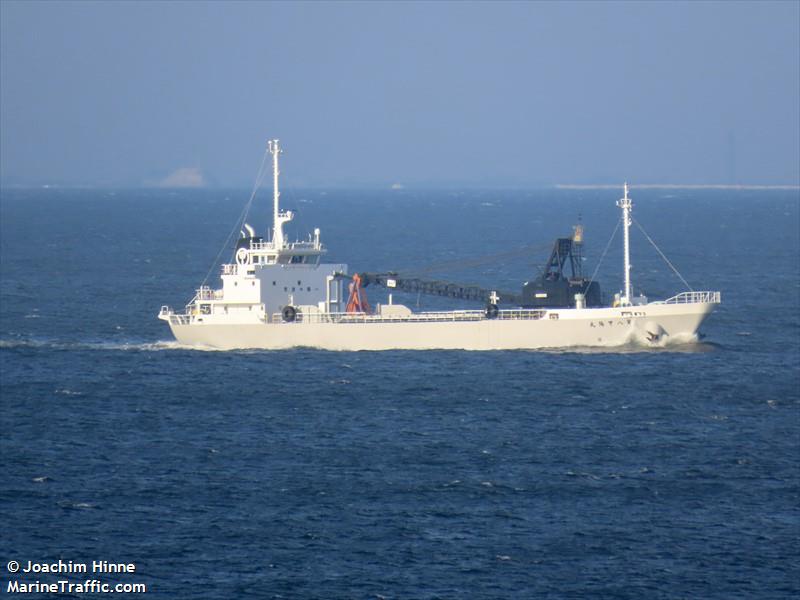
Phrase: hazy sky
[420,93]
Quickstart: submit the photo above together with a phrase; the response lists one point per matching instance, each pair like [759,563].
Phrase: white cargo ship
[279,294]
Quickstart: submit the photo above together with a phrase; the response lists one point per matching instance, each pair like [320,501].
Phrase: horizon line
[412,187]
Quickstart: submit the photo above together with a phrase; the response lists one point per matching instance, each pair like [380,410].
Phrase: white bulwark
[279,294]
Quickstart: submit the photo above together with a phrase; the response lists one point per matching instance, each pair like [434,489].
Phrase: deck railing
[206,293]
[444,316]
[693,298]
[299,245]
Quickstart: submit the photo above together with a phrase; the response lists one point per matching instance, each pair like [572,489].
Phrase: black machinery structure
[554,289]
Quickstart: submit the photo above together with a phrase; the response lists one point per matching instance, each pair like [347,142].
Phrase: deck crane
[554,288]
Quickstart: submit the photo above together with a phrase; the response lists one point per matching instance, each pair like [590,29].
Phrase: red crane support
[357,303]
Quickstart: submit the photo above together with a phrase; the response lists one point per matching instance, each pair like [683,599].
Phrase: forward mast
[626,205]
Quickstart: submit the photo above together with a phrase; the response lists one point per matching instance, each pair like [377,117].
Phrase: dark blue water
[306,474]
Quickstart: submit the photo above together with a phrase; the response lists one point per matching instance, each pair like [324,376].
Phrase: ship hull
[652,324]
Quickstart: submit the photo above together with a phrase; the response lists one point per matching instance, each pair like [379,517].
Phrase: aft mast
[278,217]
[626,205]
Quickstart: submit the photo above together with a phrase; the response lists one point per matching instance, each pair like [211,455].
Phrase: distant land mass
[676,186]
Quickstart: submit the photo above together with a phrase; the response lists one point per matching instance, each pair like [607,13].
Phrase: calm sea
[307,474]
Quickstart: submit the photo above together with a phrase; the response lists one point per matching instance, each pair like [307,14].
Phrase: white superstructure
[278,294]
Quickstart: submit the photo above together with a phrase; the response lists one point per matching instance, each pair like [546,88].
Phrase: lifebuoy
[289,313]
[492,311]
[241,256]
